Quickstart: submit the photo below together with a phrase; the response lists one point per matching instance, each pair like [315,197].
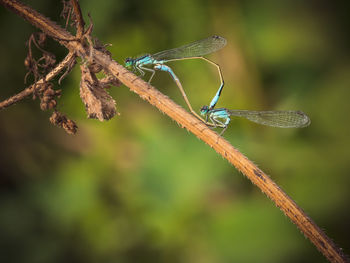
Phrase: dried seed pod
[28,62]
[49,92]
[62,121]
[44,105]
[70,127]
[52,104]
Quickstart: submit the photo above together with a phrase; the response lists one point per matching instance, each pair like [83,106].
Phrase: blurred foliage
[140,189]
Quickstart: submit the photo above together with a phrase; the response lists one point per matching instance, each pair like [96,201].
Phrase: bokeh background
[138,188]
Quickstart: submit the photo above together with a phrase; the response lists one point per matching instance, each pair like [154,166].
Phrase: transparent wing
[281,119]
[195,49]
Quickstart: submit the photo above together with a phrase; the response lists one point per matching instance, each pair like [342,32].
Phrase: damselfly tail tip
[306,119]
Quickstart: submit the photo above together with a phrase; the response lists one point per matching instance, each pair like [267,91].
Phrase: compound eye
[204,109]
[128,62]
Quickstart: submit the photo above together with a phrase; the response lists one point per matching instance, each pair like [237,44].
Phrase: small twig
[66,12]
[28,91]
[192,124]
[79,18]
[69,66]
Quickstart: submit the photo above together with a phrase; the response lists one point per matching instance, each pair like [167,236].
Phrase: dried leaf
[98,103]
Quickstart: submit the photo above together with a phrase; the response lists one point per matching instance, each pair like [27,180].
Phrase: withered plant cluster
[45,70]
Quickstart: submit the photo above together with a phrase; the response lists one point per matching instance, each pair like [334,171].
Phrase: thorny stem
[198,128]
[28,91]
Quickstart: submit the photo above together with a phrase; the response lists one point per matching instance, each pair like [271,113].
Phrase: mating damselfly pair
[196,50]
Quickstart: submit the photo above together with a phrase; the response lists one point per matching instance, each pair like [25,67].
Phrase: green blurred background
[138,188]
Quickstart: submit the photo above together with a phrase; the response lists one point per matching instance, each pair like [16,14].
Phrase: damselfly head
[129,62]
[204,110]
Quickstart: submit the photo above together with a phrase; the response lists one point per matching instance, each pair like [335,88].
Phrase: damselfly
[194,50]
[280,119]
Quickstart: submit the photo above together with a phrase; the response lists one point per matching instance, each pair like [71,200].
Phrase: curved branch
[195,126]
